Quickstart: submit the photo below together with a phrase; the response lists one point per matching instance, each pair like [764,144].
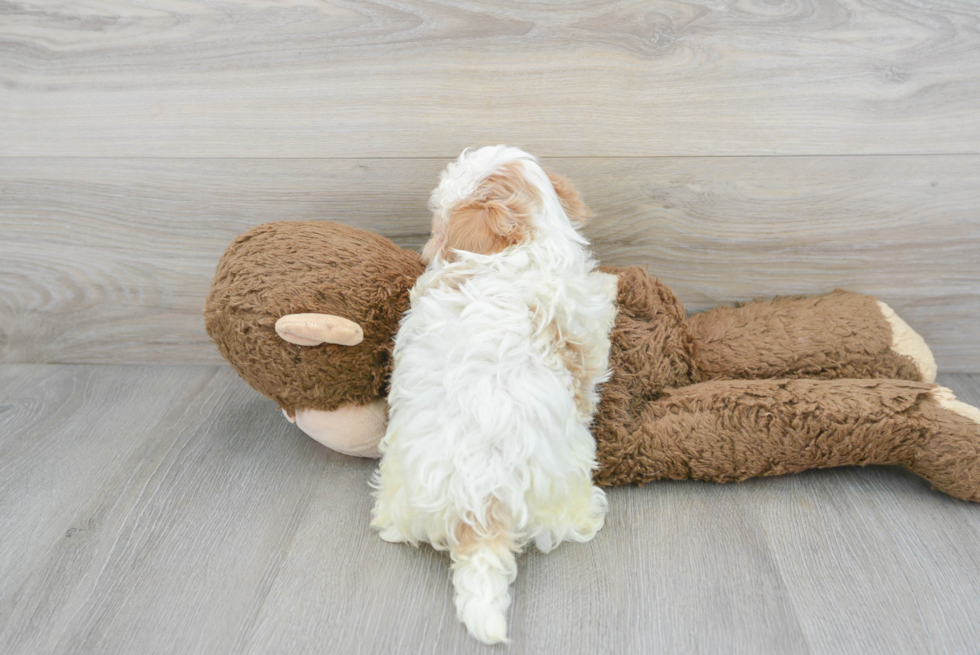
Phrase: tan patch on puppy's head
[495,217]
[577,211]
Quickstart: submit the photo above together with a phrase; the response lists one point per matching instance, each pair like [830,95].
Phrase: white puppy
[494,383]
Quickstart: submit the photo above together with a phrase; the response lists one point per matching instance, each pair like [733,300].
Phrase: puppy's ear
[570,199]
[496,216]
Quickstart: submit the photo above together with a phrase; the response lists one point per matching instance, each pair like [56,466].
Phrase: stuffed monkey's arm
[838,335]
[731,430]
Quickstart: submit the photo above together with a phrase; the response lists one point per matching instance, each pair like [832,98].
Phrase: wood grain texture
[172,509]
[110,261]
[360,78]
[142,501]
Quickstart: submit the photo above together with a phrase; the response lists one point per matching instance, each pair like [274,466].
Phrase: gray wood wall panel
[356,78]
[158,509]
[109,260]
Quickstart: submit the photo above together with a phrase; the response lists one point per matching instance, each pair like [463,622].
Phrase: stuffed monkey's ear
[314,329]
[570,199]
[497,216]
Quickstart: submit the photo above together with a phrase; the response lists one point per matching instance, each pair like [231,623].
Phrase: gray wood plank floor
[153,509]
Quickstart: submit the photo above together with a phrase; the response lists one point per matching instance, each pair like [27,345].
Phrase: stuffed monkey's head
[357,279]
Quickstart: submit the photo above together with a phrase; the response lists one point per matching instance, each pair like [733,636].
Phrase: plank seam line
[449,157]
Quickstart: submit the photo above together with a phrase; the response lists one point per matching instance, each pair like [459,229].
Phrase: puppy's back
[477,385]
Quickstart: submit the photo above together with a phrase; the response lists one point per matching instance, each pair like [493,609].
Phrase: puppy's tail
[484,566]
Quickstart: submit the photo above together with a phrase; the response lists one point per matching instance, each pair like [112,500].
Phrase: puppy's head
[493,198]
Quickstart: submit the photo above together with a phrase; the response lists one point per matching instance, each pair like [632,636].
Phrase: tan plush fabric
[354,430]
[767,388]
[314,329]
[908,342]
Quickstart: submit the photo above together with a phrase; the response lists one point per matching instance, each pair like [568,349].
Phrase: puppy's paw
[546,541]
[393,535]
[578,519]
[593,515]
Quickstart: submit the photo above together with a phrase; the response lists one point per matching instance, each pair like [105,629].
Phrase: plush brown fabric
[688,398]
[310,267]
[726,431]
[838,335]
[659,354]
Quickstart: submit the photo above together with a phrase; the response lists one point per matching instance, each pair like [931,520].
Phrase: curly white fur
[493,390]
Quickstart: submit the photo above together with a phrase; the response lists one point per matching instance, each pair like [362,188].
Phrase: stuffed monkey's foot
[949,456]
[908,342]
[353,430]
[948,401]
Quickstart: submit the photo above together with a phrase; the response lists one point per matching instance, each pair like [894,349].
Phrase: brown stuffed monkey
[306,313]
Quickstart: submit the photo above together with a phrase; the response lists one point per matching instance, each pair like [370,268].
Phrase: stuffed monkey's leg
[838,335]
[725,431]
